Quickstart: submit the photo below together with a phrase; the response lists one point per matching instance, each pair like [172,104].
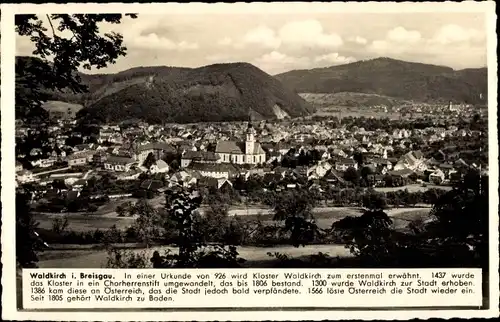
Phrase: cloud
[308,33]
[295,34]
[334,59]
[452,33]
[153,41]
[447,38]
[400,34]
[359,40]
[275,62]
[261,36]
[226,41]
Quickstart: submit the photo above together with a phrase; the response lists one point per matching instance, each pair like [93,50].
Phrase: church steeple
[250,139]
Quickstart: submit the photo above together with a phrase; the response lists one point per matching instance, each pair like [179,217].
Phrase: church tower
[250,139]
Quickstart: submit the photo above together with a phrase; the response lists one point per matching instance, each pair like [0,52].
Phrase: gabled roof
[161,164]
[114,159]
[402,172]
[200,155]
[332,174]
[213,167]
[156,146]
[229,147]
[151,184]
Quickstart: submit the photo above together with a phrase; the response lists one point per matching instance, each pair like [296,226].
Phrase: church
[247,152]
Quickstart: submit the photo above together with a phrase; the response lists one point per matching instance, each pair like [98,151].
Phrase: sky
[279,42]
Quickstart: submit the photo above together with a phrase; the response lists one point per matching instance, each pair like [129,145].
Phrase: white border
[8,160]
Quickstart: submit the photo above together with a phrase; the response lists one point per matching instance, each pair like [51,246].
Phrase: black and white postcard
[249,161]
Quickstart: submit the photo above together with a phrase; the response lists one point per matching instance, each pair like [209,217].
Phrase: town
[103,170]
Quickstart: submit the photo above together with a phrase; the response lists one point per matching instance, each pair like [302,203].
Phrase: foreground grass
[253,255]
[325,216]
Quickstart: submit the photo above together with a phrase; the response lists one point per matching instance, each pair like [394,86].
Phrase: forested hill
[220,92]
[393,78]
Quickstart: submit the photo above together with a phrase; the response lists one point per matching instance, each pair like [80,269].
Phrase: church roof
[230,147]
[233,147]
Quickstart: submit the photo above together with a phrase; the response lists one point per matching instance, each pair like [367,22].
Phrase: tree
[368,236]
[56,59]
[351,175]
[359,158]
[295,209]
[214,221]
[374,200]
[28,243]
[365,172]
[148,223]
[59,225]
[150,160]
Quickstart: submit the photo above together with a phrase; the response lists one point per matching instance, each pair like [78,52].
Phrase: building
[159,166]
[118,163]
[25,176]
[344,164]
[247,152]
[158,149]
[79,159]
[216,170]
[437,177]
[199,157]
[413,160]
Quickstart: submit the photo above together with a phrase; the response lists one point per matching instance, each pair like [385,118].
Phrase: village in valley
[250,160]
[92,176]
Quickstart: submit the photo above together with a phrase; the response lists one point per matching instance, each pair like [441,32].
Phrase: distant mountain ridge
[219,92]
[393,78]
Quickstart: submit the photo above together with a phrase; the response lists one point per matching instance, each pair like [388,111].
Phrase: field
[325,216]
[86,256]
[253,255]
[68,110]
[412,188]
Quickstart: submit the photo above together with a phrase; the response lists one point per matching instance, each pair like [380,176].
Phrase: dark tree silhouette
[295,209]
[56,59]
[352,175]
[28,243]
[150,160]
[54,67]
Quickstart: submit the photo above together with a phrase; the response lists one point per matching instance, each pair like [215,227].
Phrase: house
[333,177]
[274,156]
[158,149]
[215,183]
[129,175]
[401,177]
[79,159]
[247,152]
[381,163]
[199,157]
[118,163]
[184,178]
[79,184]
[318,171]
[413,160]
[99,157]
[344,164]
[214,170]
[25,176]
[44,163]
[446,168]
[376,180]
[159,166]
[437,177]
